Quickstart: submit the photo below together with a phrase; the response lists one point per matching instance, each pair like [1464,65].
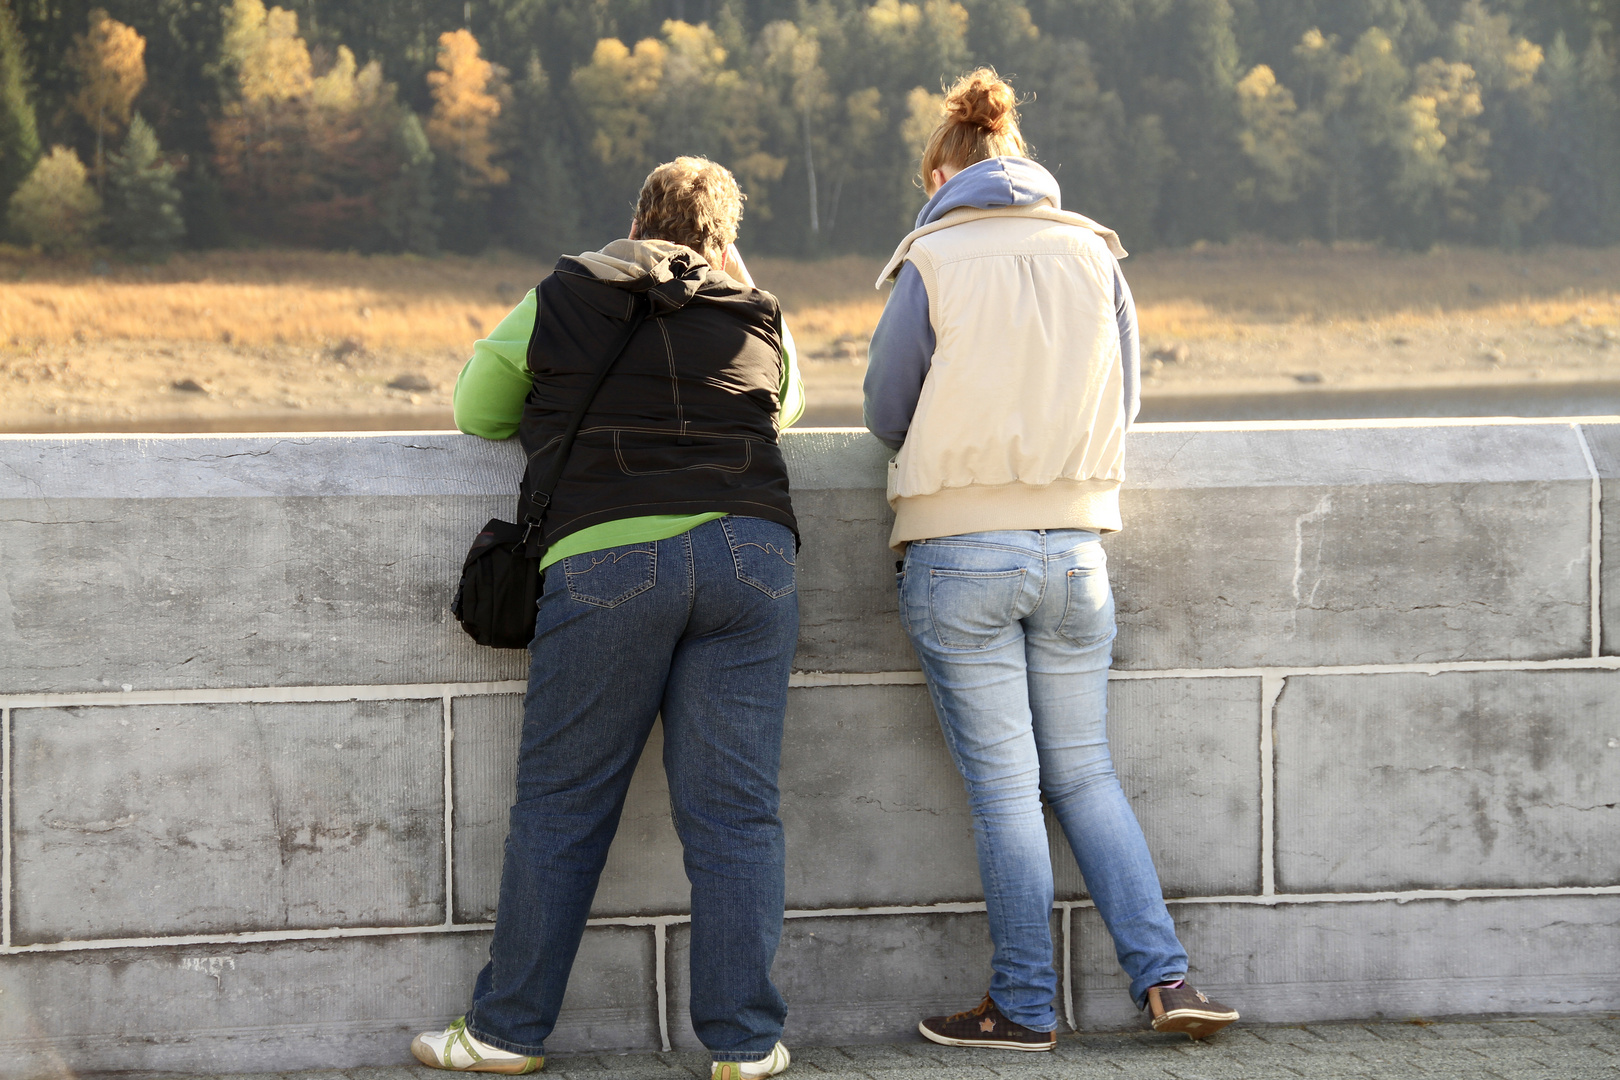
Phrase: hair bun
[982,99]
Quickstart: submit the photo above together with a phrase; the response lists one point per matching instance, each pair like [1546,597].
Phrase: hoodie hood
[992,184]
[669,274]
[987,188]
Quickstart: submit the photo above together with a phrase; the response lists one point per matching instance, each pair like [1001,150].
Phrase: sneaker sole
[997,1044]
[424,1053]
[1198,1025]
[732,1070]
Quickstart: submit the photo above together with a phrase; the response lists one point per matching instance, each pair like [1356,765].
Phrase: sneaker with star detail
[1178,1007]
[984,1025]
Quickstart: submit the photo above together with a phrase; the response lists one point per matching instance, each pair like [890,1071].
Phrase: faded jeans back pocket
[970,608]
[609,577]
[1088,606]
[764,554]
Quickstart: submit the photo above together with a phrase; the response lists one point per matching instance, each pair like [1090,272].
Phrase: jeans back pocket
[763,553]
[970,608]
[609,577]
[1088,606]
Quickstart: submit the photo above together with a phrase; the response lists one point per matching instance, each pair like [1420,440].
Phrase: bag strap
[534,501]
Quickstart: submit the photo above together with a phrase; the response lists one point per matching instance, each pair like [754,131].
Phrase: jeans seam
[691,573]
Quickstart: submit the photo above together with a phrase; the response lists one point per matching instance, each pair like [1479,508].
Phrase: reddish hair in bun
[981,122]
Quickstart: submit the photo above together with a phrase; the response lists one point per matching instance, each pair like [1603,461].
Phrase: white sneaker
[455,1049]
[752,1070]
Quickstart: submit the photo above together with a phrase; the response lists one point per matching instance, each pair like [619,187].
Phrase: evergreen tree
[408,220]
[539,209]
[1581,164]
[56,207]
[19,135]
[143,199]
[1600,97]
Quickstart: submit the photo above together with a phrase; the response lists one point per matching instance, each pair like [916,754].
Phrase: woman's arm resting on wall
[495,381]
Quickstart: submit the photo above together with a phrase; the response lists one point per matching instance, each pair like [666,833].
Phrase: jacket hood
[669,274]
[991,185]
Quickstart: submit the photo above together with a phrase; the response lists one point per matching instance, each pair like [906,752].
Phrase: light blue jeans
[1015,633]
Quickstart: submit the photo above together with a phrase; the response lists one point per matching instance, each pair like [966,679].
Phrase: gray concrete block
[866,787]
[272,591]
[848,615]
[858,979]
[324,1004]
[1373,454]
[431,463]
[873,806]
[829,459]
[1295,963]
[1376,573]
[1187,752]
[644,874]
[1480,779]
[179,819]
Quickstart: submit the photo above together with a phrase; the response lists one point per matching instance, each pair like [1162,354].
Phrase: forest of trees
[428,125]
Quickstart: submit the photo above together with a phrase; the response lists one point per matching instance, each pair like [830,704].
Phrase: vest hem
[1062,504]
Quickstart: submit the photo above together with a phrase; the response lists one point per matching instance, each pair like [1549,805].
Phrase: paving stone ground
[1498,1049]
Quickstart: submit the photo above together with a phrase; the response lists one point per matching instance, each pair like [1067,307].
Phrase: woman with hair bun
[1004,371]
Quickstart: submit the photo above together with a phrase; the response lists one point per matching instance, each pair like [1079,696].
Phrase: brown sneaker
[1181,1008]
[984,1025]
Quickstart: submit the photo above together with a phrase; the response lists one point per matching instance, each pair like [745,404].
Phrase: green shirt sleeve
[790,401]
[495,382]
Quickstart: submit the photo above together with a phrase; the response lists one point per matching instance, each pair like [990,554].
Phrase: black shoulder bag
[501,579]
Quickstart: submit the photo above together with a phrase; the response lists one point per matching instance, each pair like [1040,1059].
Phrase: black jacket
[685,422]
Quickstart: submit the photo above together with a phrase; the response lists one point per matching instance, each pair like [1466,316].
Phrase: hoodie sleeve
[1130,345]
[898,359]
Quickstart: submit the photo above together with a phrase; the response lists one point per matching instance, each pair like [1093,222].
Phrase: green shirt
[489,402]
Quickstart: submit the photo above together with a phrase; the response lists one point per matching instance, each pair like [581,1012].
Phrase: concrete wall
[255,778]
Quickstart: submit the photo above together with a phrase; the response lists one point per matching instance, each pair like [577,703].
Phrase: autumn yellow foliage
[464,109]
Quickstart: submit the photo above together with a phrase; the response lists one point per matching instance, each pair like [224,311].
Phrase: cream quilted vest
[1021,422]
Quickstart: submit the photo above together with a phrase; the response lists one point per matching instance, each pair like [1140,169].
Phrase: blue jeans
[699,628]
[1015,632]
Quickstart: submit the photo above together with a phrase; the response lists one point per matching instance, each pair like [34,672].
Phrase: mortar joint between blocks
[449,812]
[5,828]
[1271,688]
[661,978]
[1596,560]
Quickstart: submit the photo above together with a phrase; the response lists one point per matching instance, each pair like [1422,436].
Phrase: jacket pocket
[647,454]
[609,577]
[970,609]
[763,554]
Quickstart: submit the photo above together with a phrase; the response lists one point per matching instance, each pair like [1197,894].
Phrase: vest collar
[964,214]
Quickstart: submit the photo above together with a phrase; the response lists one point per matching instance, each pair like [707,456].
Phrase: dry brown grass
[301,298]
[1229,293]
[272,298]
[274,333]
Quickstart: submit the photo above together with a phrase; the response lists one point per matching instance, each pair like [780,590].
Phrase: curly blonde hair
[691,201]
